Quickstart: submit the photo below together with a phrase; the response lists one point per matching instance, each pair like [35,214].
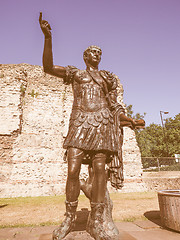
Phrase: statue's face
[94,57]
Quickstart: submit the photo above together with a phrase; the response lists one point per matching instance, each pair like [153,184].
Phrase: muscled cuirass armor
[88,96]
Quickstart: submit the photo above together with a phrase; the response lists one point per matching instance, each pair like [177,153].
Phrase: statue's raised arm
[48,66]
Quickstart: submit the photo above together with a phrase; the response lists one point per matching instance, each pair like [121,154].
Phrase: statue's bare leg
[99,179]
[108,224]
[95,221]
[74,157]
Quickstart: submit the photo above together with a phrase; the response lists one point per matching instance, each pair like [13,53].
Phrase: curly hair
[87,50]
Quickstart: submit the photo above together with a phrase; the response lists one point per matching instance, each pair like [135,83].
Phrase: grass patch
[49,223]
[49,210]
[36,201]
[133,219]
[133,196]
[32,200]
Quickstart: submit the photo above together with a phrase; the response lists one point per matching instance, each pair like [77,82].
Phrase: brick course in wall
[35,108]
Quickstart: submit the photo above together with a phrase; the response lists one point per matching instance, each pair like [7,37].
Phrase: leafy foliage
[172,136]
[130,113]
[156,141]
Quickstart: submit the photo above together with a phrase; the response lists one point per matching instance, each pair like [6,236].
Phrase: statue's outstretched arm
[48,66]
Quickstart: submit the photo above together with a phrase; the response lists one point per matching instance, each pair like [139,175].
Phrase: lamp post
[162,112]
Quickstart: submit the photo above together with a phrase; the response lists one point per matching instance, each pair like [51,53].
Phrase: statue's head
[92,55]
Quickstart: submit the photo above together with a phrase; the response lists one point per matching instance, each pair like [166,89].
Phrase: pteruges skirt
[92,131]
[98,131]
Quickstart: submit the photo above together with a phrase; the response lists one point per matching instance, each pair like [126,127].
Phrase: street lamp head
[164,112]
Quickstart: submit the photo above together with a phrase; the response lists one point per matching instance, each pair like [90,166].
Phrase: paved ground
[138,230]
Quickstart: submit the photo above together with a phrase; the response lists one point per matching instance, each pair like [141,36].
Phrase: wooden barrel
[169,204]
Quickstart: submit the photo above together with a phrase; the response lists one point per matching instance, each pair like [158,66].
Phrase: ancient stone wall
[35,108]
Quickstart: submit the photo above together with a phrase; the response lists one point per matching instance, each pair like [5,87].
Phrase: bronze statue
[94,138]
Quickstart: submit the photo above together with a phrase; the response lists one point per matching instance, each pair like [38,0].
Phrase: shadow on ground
[4,205]
[81,221]
[154,216]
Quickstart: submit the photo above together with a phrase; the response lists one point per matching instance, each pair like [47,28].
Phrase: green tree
[154,141]
[172,134]
[130,113]
[150,141]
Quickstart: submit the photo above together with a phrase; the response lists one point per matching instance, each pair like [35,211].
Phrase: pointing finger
[40,17]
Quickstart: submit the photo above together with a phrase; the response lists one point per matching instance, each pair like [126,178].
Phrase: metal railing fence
[154,164]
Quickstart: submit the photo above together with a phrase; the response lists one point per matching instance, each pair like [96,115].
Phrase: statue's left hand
[140,123]
[132,123]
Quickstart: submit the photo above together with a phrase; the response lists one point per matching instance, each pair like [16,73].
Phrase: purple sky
[140,40]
